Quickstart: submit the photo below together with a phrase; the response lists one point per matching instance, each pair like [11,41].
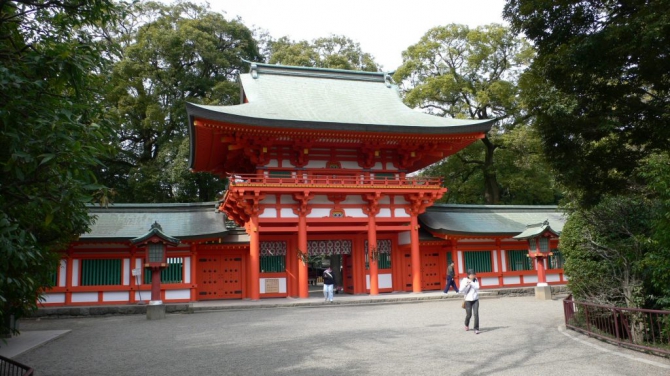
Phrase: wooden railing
[328,180]
[9,367]
[642,329]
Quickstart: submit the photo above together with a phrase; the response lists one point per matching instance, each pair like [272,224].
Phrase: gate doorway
[430,271]
[220,277]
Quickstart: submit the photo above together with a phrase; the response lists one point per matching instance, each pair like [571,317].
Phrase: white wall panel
[115,296]
[54,297]
[126,272]
[84,297]
[288,213]
[511,280]
[268,213]
[187,270]
[177,294]
[62,281]
[282,285]
[404,238]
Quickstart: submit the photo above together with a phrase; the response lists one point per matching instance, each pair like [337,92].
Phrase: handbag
[463,305]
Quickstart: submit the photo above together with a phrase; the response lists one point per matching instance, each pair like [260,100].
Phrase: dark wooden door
[348,274]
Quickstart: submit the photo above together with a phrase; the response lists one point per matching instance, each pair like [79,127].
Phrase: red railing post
[616,325]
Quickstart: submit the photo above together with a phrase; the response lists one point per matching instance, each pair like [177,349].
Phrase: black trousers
[470,309]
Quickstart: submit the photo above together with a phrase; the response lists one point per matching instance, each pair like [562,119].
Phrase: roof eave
[195,111]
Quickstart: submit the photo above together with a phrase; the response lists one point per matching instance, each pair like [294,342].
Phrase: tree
[605,247]
[51,134]
[460,72]
[175,54]
[335,52]
[600,87]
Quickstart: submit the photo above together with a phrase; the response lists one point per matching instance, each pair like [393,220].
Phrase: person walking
[470,289]
[450,278]
[328,282]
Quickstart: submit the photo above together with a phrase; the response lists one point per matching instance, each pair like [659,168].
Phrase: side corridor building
[319,163]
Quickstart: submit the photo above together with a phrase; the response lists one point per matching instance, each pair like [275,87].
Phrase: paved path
[519,336]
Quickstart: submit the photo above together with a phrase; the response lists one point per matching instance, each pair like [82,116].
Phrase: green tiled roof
[535,229]
[329,99]
[489,220]
[181,221]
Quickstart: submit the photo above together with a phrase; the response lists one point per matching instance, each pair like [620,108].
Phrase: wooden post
[254,259]
[415,256]
[372,255]
[303,288]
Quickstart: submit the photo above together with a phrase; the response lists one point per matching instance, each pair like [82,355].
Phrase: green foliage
[335,52]
[51,135]
[169,55]
[605,248]
[460,72]
[656,171]
[599,87]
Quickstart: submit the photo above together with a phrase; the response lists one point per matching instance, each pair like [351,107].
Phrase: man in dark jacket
[450,278]
[328,282]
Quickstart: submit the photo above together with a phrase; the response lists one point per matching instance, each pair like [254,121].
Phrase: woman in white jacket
[470,288]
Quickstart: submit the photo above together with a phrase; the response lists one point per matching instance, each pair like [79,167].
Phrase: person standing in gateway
[470,288]
[450,278]
[328,282]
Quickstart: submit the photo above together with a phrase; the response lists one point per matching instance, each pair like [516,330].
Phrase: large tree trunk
[492,189]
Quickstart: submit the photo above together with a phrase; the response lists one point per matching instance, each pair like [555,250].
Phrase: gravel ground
[520,336]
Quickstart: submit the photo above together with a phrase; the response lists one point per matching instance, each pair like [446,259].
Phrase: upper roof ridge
[257,69]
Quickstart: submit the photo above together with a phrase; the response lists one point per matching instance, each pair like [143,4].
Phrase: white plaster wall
[530,279]
[461,265]
[62,281]
[511,280]
[54,298]
[115,296]
[286,199]
[354,200]
[146,295]
[288,213]
[75,272]
[489,281]
[320,199]
[356,212]
[350,165]
[553,277]
[269,199]
[269,213]
[316,164]
[84,297]
[320,213]
[384,281]
[399,213]
[495,261]
[386,200]
[187,270]
[384,213]
[404,238]
[282,285]
[272,163]
[126,272]
[400,200]
[177,294]
[565,277]
[503,255]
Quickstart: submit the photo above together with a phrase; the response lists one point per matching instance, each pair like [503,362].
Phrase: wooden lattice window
[518,260]
[172,274]
[100,272]
[479,261]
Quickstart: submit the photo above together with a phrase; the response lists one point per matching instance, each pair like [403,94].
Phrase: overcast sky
[383,28]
